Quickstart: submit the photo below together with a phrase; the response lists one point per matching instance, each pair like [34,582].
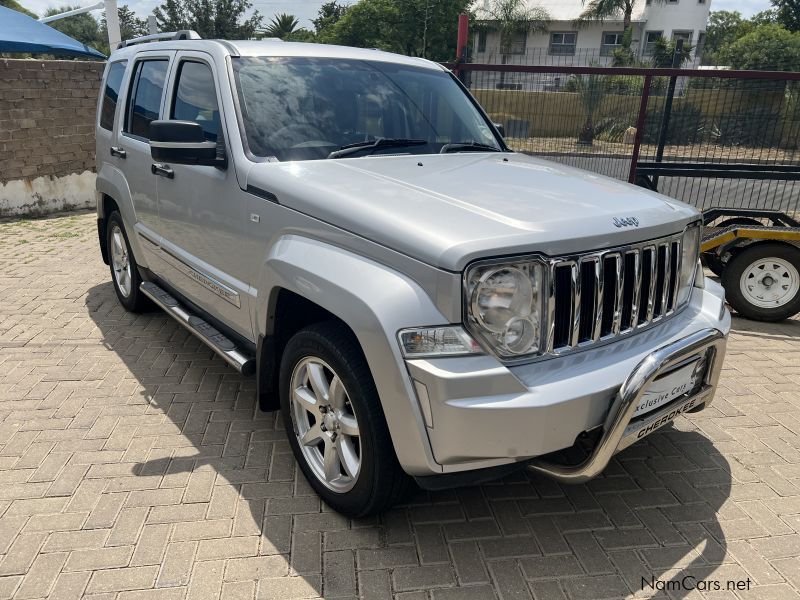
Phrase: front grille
[601,295]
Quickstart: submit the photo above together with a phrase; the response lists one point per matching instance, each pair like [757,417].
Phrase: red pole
[463,40]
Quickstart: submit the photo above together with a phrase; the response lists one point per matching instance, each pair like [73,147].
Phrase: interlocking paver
[133,464]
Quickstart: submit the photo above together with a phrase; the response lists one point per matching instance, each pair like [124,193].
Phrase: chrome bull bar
[617,435]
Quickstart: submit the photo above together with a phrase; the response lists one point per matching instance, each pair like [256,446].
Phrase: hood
[448,210]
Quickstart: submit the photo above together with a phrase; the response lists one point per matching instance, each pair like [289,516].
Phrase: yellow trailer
[756,253]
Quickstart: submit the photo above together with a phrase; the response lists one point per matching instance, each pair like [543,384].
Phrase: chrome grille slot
[588,274]
[597,296]
[564,302]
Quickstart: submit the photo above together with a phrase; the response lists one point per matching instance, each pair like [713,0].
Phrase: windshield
[298,108]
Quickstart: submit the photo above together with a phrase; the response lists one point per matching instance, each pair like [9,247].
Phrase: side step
[210,336]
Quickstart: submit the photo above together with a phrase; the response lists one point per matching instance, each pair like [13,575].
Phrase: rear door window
[147,90]
[196,98]
[111,94]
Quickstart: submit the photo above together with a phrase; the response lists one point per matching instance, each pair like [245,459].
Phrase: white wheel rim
[325,424]
[120,261]
[770,282]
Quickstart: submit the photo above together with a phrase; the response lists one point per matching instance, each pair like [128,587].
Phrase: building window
[701,40]
[611,41]
[563,42]
[650,39]
[701,1]
[482,41]
[686,36]
[672,1]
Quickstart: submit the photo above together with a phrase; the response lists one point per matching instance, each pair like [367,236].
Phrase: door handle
[162,170]
[118,151]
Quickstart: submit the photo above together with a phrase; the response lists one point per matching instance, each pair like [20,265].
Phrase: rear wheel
[124,272]
[335,423]
[762,282]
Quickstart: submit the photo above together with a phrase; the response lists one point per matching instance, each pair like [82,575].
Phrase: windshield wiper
[374,145]
[468,147]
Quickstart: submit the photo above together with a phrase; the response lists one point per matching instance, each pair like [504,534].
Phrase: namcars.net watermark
[690,582]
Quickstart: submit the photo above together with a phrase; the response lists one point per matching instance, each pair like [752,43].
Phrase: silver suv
[419,301]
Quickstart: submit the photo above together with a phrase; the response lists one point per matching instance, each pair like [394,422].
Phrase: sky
[305,10]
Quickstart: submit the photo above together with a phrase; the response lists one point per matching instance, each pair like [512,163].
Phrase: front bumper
[481,414]
[620,429]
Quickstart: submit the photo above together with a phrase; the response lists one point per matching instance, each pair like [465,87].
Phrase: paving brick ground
[133,464]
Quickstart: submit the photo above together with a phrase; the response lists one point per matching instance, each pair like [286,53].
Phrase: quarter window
[147,89]
[111,94]
[196,98]
[563,43]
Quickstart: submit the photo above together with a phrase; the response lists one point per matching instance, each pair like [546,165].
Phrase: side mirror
[500,129]
[183,143]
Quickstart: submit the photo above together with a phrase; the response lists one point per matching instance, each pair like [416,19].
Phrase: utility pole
[112,23]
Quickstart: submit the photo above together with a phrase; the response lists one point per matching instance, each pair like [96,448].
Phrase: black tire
[711,259]
[134,301]
[737,266]
[380,482]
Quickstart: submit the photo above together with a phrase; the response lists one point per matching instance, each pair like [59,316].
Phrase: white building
[567,43]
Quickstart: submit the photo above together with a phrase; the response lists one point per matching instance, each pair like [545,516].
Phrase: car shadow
[654,521]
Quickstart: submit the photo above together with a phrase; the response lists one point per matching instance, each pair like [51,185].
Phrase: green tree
[413,27]
[13,5]
[214,19]
[83,27]
[327,16]
[172,16]
[766,47]
[788,13]
[724,27]
[282,26]
[130,26]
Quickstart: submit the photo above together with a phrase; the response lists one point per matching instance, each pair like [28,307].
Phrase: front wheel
[762,282]
[335,423]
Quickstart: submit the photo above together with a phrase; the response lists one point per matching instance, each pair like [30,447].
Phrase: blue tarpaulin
[21,33]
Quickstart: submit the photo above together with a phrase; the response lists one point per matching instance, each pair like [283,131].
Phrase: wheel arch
[321,281]
[105,206]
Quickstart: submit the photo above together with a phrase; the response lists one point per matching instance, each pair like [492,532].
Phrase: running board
[210,336]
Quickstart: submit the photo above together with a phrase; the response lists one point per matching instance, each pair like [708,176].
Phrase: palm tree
[510,17]
[513,17]
[591,90]
[282,26]
[598,10]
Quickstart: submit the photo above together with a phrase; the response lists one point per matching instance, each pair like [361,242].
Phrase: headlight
[690,251]
[427,342]
[505,306]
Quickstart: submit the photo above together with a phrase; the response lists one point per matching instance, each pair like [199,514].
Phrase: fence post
[461,44]
[640,121]
[673,80]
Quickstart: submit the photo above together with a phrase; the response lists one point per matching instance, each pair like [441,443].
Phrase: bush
[686,125]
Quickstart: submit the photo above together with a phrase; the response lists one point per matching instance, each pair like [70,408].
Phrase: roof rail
[185,34]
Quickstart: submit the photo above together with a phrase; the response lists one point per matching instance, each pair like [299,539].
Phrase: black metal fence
[718,138]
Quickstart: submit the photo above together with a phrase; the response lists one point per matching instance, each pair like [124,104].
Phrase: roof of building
[564,10]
